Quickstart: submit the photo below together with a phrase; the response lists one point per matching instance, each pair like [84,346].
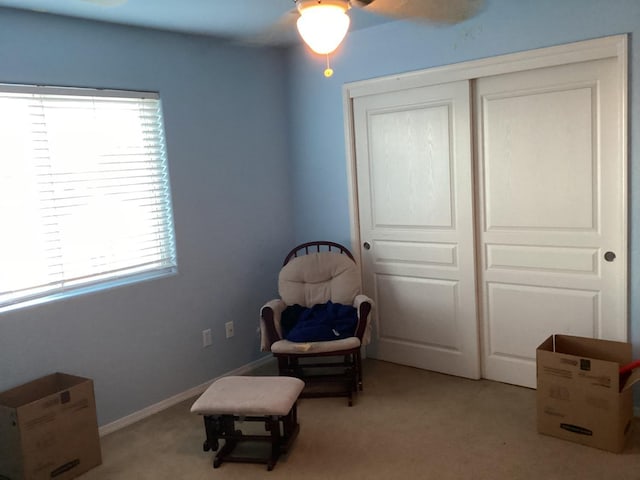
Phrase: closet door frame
[607,47]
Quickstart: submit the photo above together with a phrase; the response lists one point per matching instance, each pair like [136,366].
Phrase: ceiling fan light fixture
[323,24]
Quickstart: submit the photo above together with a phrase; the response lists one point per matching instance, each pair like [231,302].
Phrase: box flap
[632,379]
[39,388]
[547,345]
[607,350]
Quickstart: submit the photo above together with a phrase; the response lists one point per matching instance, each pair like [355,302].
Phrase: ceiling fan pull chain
[328,71]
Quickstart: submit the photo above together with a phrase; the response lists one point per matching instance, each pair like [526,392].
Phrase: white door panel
[550,204]
[521,315]
[534,258]
[401,140]
[539,169]
[406,299]
[414,175]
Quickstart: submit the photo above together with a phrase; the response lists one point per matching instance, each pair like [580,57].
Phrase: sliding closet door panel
[550,197]
[414,175]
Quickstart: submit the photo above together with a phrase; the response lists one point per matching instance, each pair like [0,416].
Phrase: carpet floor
[407,424]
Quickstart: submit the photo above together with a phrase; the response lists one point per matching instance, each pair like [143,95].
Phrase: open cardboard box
[581,396]
[49,429]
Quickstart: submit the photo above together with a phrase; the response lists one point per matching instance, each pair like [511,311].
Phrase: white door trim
[599,48]
[607,47]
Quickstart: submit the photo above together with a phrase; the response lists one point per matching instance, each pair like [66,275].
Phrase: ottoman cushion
[248,396]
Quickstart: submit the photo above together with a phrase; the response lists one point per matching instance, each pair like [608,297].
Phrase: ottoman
[271,400]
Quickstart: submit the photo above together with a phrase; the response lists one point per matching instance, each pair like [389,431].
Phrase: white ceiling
[265,21]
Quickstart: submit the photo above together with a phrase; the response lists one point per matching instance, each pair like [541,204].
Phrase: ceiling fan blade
[106,3]
[438,11]
[279,33]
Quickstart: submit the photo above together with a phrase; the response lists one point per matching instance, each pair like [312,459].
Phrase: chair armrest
[270,329]
[360,299]
[363,305]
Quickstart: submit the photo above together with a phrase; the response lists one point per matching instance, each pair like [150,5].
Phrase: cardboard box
[49,429]
[581,396]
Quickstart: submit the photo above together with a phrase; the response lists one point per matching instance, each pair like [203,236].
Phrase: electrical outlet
[206,337]
[229,329]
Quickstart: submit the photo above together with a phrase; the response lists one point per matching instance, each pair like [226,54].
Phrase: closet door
[415,197]
[552,226]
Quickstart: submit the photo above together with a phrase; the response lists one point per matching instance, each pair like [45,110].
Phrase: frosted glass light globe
[323,27]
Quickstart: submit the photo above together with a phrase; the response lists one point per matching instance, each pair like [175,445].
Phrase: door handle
[366,245]
[609,256]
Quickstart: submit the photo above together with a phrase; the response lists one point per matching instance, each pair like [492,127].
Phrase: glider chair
[320,322]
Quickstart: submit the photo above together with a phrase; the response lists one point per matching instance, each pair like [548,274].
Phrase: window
[84,192]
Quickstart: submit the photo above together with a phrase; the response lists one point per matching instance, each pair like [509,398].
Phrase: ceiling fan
[323,24]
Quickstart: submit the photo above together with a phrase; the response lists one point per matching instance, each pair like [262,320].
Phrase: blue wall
[505,26]
[228,158]
[234,117]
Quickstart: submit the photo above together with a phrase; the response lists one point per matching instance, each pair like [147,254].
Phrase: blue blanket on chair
[322,322]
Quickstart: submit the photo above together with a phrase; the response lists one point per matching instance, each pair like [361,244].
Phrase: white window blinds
[84,191]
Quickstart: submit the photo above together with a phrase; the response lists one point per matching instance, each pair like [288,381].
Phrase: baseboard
[174,400]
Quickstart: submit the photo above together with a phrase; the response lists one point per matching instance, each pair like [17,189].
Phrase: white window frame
[120,167]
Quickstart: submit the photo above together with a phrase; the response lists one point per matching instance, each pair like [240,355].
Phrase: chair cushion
[287,347]
[318,278]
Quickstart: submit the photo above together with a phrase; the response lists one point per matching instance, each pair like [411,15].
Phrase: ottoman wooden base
[282,432]
[270,400]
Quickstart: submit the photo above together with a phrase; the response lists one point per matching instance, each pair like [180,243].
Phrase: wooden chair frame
[345,373]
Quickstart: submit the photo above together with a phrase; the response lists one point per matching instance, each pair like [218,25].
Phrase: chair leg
[359,369]
[289,367]
[354,372]
[273,425]
[294,365]
[283,366]
[211,428]
[351,373]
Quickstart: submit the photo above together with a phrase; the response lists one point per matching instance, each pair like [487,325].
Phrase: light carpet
[407,424]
